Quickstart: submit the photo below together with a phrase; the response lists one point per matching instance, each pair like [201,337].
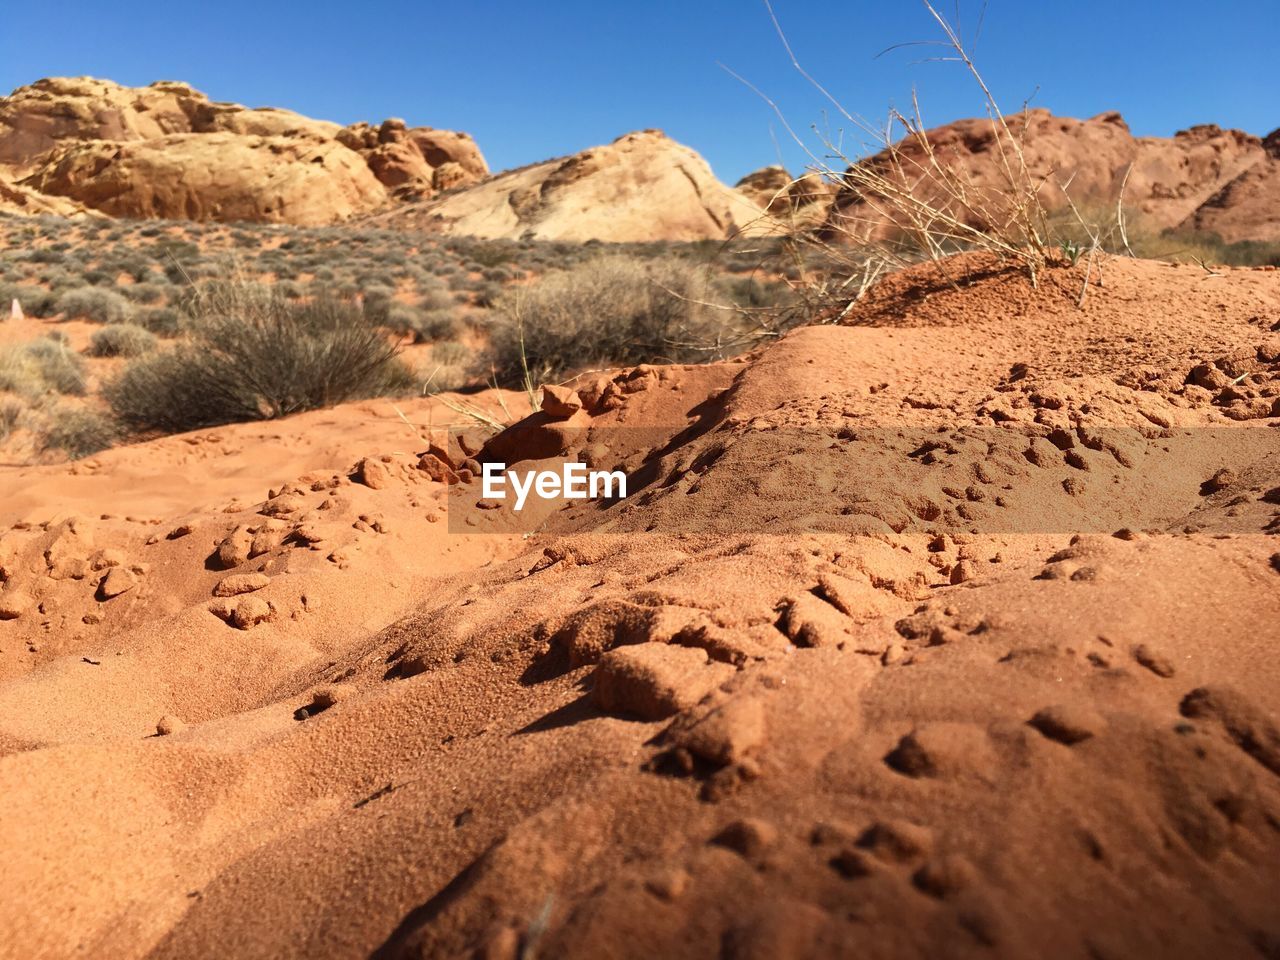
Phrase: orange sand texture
[842,676]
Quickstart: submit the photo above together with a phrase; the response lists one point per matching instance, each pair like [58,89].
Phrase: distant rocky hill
[1222,181]
[167,150]
[79,145]
[642,186]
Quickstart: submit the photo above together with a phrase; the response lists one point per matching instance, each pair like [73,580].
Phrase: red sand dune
[841,676]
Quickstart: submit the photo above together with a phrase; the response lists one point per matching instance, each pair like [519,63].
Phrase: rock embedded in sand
[728,733]
[1219,481]
[945,877]
[234,548]
[1248,725]
[250,612]
[749,836]
[964,571]
[811,622]
[1154,661]
[117,581]
[14,603]
[373,473]
[945,750]
[169,724]
[239,583]
[1068,723]
[668,885]
[560,402]
[897,841]
[242,614]
[655,680]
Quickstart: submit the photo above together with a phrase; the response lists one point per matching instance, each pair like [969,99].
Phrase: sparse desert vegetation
[142,300]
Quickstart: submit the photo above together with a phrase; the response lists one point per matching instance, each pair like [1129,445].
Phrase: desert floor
[951,630]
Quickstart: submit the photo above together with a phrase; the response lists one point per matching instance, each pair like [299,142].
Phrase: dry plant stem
[938,208]
[1120,221]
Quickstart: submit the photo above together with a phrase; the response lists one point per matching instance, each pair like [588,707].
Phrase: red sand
[840,677]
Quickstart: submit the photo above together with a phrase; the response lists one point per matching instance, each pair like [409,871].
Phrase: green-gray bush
[77,431]
[608,311]
[253,355]
[96,304]
[122,340]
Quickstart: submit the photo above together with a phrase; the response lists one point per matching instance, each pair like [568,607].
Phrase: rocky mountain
[167,150]
[642,186]
[1204,178]
[80,145]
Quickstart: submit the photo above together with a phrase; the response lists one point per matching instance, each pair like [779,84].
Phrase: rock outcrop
[24,201]
[642,186]
[1248,207]
[1203,178]
[226,177]
[167,150]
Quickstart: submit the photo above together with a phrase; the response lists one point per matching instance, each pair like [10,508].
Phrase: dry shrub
[609,311]
[77,431]
[122,340]
[41,366]
[13,415]
[96,304]
[902,201]
[253,355]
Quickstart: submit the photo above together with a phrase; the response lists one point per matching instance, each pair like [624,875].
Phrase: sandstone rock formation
[24,201]
[228,177]
[643,186]
[167,150]
[1248,207]
[776,190]
[1176,182]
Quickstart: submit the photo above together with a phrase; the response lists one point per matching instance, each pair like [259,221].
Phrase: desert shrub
[122,340]
[252,355]
[38,302]
[608,311]
[41,366]
[451,367]
[145,293]
[450,353]
[1208,248]
[100,306]
[162,321]
[488,294]
[752,293]
[436,324]
[13,414]
[378,300]
[35,301]
[77,431]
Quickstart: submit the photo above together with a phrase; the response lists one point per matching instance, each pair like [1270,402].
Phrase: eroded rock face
[1248,207]
[167,150]
[642,186]
[416,162]
[25,201]
[776,190]
[1201,178]
[220,176]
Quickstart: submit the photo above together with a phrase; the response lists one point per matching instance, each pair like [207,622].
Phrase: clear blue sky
[541,78]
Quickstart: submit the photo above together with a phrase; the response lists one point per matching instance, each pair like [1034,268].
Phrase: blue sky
[541,78]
